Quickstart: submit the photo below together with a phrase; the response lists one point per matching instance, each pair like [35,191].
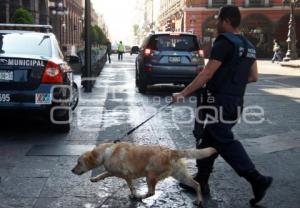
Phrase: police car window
[174,43]
[22,43]
[57,50]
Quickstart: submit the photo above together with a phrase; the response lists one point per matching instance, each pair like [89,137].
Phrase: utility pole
[87,56]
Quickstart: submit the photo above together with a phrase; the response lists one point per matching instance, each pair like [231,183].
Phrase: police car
[34,74]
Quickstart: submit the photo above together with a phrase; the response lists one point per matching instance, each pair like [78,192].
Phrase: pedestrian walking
[121,50]
[277,51]
[108,50]
[231,66]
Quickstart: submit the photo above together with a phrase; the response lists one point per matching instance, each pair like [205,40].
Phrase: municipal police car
[34,74]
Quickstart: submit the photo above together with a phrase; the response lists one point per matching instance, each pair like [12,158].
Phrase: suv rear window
[173,43]
[23,43]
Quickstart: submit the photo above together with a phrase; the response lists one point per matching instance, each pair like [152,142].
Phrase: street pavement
[35,163]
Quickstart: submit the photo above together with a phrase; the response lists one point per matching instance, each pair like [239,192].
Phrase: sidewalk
[292,63]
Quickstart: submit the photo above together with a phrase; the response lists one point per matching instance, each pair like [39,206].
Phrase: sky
[119,17]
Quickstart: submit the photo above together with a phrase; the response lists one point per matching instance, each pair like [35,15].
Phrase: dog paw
[199,204]
[135,197]
[93,180]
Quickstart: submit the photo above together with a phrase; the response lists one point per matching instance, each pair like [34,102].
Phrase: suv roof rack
[26,27]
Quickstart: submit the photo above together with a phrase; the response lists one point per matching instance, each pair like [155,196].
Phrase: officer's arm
[253,77]
[202,78]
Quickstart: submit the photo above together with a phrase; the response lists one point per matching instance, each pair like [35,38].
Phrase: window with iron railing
[257,3]
[218,3]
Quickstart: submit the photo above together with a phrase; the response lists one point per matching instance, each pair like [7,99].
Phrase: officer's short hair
[232,13]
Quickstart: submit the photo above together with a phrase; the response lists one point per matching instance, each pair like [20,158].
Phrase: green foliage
[22,16]
[97,36]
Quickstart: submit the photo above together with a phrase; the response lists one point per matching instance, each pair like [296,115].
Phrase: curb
[290,65]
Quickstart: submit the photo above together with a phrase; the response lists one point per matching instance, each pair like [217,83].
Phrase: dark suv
[168,58]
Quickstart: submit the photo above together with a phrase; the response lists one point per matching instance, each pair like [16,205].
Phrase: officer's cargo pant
[218,134]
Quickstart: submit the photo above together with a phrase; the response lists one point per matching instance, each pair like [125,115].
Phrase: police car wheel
[75,96]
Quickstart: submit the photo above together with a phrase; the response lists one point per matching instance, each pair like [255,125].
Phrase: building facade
[67,27]
[38,8]
[262,20]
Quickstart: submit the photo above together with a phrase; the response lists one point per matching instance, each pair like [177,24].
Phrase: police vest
[232,78]
[121,48]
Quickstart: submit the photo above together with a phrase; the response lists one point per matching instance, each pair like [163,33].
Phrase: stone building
[38,8]
[68,27]
[262,20]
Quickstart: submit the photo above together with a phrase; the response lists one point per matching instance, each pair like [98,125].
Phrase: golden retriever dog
[131,161]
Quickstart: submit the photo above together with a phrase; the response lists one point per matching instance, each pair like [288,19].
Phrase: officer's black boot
[260,185]
[203,181]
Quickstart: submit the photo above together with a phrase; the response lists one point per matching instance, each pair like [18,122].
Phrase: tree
[101,37]
[97,36]
[22,16]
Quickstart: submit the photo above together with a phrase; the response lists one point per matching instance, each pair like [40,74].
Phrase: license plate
[174,59]
[6,76]
[4,98]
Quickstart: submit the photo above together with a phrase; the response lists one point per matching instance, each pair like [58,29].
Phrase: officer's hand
[177,97]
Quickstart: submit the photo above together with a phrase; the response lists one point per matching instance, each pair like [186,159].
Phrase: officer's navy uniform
[225,91]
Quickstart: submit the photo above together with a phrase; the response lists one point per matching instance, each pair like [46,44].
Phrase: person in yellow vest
[121,50]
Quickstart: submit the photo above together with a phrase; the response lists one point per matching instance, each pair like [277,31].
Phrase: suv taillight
[147,52]
[52,74]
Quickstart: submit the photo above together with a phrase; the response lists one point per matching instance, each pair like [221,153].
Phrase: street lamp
[291,53]
[57,8]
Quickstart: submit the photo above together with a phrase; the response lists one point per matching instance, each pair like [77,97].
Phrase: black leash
[135,128]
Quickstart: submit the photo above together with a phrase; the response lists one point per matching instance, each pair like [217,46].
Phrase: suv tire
[141,84]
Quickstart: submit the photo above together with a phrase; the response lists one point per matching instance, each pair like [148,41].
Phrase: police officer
[231,66]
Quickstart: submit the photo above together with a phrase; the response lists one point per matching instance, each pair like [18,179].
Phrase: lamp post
[291,53]
[87,49]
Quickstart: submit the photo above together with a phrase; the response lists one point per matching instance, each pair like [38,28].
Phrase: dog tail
[197,153]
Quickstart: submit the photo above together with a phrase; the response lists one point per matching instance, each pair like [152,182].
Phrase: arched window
[256,3]
[219,3]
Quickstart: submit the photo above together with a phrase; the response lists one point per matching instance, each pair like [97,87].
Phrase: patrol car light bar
[27,27]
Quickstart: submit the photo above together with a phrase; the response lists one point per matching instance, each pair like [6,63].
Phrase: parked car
[34,75]
[134,50]
[168,58]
